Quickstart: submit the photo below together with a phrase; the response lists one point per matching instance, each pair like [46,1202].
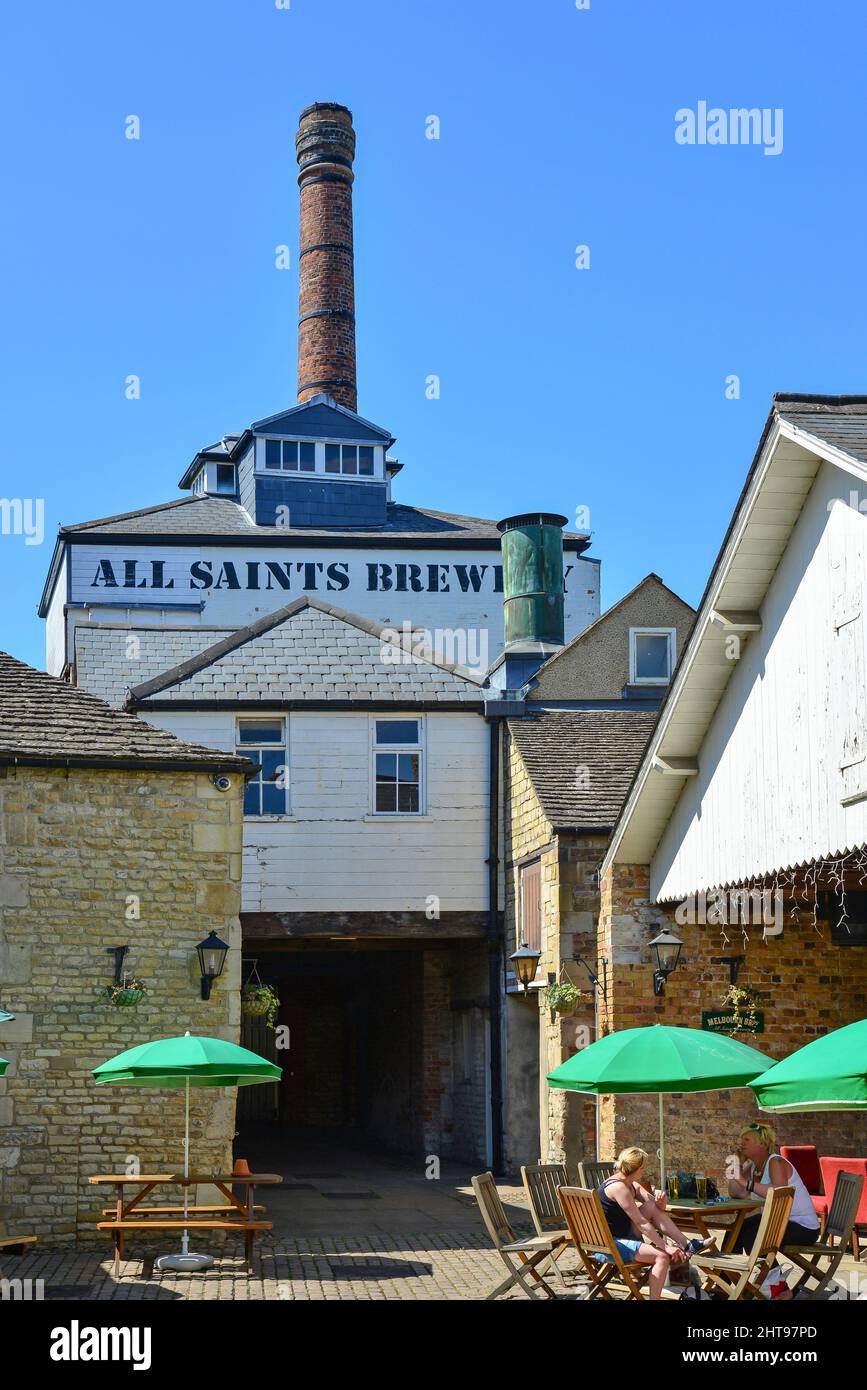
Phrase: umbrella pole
[661,1145]
[185,1240]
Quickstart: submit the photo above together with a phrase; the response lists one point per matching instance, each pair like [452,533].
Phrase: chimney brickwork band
[325,148]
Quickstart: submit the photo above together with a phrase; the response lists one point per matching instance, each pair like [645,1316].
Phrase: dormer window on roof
[220,478]
[651,655]
[329,458]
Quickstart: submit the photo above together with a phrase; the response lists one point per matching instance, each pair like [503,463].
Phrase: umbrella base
[190,1261]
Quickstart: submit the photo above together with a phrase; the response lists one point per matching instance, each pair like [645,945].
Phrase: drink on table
[672,1186]
[701,1187]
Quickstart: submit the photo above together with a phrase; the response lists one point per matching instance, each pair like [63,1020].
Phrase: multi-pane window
[352,460]
[264,741]
[651,656]
[397,767]
[290,456]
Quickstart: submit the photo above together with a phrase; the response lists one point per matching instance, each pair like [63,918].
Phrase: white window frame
[420,748]
[671,634]
[247,750]
[377,476]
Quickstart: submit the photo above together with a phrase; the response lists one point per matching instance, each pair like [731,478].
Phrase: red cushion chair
[805,1160]
[830,1168]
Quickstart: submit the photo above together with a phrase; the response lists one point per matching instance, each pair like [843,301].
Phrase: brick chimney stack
[325,147]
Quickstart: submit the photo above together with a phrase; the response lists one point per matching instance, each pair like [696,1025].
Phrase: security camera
[222,782]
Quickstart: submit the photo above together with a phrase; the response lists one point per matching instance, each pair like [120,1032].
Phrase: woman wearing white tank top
[767,1169]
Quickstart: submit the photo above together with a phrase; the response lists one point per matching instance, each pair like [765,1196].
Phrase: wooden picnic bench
[14,1245]
[235,1214]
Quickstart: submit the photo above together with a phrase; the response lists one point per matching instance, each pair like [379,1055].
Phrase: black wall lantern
[524,962]
[666,954]
[212,954]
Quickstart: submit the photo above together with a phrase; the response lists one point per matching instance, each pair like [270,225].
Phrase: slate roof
[309,651]
[43,721]
[221,516]
[605,746]
[105,667]
[840,421]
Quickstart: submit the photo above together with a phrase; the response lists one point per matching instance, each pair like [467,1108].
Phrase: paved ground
[365,1227]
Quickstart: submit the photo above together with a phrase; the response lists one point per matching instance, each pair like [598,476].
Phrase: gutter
[217,764]
[495,951]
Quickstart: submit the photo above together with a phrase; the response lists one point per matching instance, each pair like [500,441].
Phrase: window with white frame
[398,767]
[264,741]
[290,456]
[651,655]
[352,460]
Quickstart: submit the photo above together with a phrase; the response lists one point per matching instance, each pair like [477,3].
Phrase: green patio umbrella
[3,1065]
[657,1060]
[181,1063]
[5,1017]
[829,1073]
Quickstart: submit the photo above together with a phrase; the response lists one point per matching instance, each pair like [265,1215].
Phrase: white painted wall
[55,650]
[330,853]
[770,791]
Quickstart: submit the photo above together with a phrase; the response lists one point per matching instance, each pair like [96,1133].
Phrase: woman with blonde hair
[763,1169]
[639,1226]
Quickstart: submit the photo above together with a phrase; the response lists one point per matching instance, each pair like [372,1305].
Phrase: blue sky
[560,387]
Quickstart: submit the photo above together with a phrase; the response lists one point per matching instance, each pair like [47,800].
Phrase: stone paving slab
[429,1267]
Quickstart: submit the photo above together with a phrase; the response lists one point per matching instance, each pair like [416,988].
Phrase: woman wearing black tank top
[639,1226]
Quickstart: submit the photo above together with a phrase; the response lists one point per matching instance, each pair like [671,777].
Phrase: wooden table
[235,1213]
[692,1215]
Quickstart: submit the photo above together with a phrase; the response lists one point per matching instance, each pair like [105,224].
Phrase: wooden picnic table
[235,1213]
[693,1215]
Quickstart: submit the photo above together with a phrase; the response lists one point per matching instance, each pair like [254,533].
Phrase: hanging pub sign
[728,1021]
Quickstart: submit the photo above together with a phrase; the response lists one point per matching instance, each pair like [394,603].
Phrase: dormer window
[289,456]
[651,655]
[352,460]
[225,479]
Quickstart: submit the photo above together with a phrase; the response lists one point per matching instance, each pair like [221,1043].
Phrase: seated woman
[639,1226]
[764,1169]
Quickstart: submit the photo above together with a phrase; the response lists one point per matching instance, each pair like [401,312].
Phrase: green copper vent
[532,549]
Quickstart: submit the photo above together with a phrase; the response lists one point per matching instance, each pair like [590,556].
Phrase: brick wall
[804,985]
[73,845]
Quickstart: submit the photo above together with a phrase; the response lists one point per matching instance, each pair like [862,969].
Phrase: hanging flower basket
[564,998]
[128,994]
[260,1001]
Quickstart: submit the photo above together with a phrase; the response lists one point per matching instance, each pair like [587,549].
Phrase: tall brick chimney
[325,147]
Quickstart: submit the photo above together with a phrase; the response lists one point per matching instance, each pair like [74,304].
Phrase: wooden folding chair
[519,1256]
[592,1238]
[594,1174]
[742,1276]
[541,1181]
[838,1227]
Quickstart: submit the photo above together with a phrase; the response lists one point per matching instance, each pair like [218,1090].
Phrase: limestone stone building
[568,762]
[112,834]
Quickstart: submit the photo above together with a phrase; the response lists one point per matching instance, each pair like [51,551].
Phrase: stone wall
[802,982]
[81,852]
[556,1125]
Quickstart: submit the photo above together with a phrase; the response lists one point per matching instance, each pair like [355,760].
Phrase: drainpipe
[495,951]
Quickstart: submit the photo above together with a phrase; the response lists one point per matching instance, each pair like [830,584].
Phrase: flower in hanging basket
[564,998]
[127,994]
[260,1001]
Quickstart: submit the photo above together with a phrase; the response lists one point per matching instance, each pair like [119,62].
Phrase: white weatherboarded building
[745,830]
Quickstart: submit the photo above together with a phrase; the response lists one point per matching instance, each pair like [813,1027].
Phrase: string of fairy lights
[802,887]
